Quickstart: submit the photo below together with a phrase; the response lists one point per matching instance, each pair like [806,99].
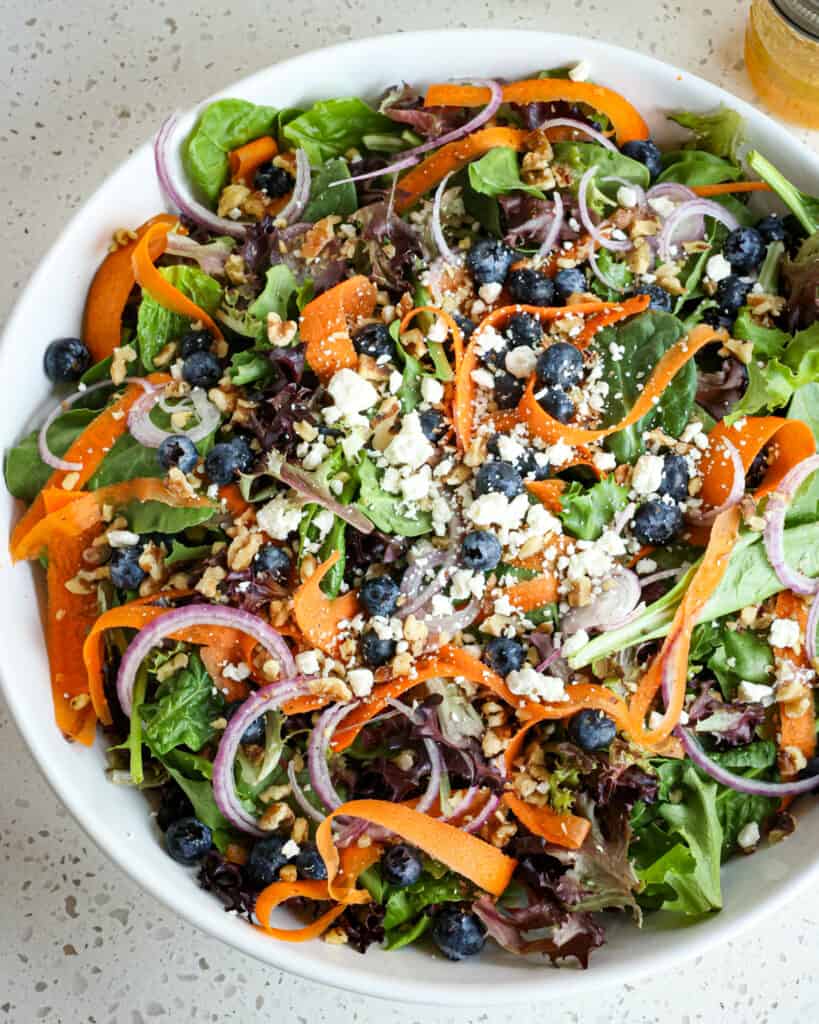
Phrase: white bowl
[116,818]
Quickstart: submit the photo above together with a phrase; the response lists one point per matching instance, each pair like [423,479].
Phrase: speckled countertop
[83,83]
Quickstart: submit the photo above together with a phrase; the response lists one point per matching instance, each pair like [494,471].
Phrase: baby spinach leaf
[279,291]
[578,157]
[26,473]
[192,775]
[697,167]
[99,371]
[402,905]
[405,935]
[331,127]
[720,131]
[157,517]
[587,511]
[740,656]
[482,208]
[759,754]
[183,709]
[126,460]
[326,198]
[497,173]
[156,325]
[181,552]
[382,509]
[221,127]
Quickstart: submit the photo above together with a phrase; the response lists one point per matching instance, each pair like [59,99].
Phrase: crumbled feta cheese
[290,849]
[574,643]
[122,538]
[647,475]
[580,72]
[718,268]
[441,605]
[483,378]
[646,566]
[308,663]
[460,589]
[604,461]
[317,453]
[528,682]
[784,633]
[416,487]
[559,453]
[236,672]
[323,521]
[352,444]
[432,390]
[360,681]
[509,449]
[438,331]
[395,382]
[441,515]
[494,509]
[490,292]
[391,480]
[489,341]
[627,196]
[350,392]
[662,206]
[504,606]
[748,836]
[756,693]
[279,517]
[520,361]
[410,447]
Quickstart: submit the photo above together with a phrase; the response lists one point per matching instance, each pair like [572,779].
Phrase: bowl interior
[117,818]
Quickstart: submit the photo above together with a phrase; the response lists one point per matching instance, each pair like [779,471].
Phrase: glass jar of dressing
[782,57]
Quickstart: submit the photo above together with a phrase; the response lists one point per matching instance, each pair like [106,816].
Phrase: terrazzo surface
[82,85]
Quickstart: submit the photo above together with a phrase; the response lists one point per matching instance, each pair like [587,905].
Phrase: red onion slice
[463,804]
[303,484]
[48,457]
[610,608]
[299,795]
[774,535]
[179,619]
[663,574]
[454,623]
[810,631]
[447,254]
[693,208]
[301,190]
[598,273]
[418,567]
[616,245]
[579,126]
[269,698]
[672,190]
[436,761]
[317,748]
[198,213]
[485,814]
[553,234]
[410,156]
[144,430]
[734,495]
[751,787]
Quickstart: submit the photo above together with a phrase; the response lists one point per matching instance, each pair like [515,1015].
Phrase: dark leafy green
[497,173]
[578,157]
[126,460]
[326,198]
[382,508]
[331,127]
[26,473]
[402,905]
[720,131]
[586,511]
[182,710]
[694,167]
[157,517]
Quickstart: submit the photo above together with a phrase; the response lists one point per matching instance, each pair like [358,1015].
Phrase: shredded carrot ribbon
[325,324]
[567,830]
[152,244]
[727,187]
[316,615]
[247,159]
[110,289]
[463,853]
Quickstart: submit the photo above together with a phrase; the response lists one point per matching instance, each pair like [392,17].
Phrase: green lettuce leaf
[497,173]
[279,291]
[26,473]
[805,406]
[327,198]
[578,157]
[157,517]
[156,325]
[402,905]
[382,509]
[183,709]
[586,512]
[331,127]
[720,131]
[694,167]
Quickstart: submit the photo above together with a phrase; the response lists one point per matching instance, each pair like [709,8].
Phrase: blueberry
[660,298]
[591,729]
[244,453]
[375,651]
[273,180]
[66,359]
[569,281]
[530,287]
[379,595]
[457,933]
[498,476]
[508,389]
[560,366]
[656,522]
[202,370]
[401,866]
[194,341]
[772,229]
[467,326]
[731,293]
[126,573]
[264,862]
[646,152]
[375,341]
[433,425]
[256,733]
[309,863]
[481,550]
[188,840]
[674,481]
[524,329]
[175,805]
[489,261]
[716,317]
[272,561]
[222,463]
[178,450]
[503,655]
[558,404]
[744,250]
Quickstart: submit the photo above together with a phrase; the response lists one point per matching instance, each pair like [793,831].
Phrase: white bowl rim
[352,973]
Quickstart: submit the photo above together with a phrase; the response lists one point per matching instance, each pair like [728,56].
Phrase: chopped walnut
[276,817]
[232,198]
[319,236]
[335,936]
[121,357]
[639,258]
[765,307]
[743,350]
[208,586]
[331,687]
[235,269]
[280,332]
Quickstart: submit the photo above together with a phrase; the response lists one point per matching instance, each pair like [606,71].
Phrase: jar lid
[804,14]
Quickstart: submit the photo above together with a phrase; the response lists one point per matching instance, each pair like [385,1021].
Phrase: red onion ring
[48,457]
[810,630]
[598,273]
[594,231]
[447,254]
[299,795]
[302,484]
[553,234]
[317,747]
[190,207]
[774,535]
[578,126]
[410,157]
[459,620]
[436,761]
[751,787]
[179,619]
[428,592]
[663,574]
[609,609]
[672,190]
[486,813]
[694,207]
[301,190]
[142,429]
[417,568]
[463,804]
[268,698]
[734,495]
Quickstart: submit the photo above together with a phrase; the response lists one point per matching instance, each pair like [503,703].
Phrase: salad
[429,515]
